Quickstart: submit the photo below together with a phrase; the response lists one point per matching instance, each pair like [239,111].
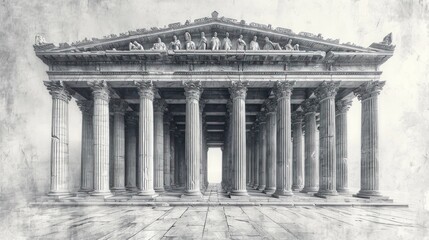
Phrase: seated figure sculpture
[215,42]
[296,47]
[269,45]
[203,42]
[159,45]
[241,43]
[175,44]
[190,45]
[288,46]
[254,45]
[135,46]
[226,43]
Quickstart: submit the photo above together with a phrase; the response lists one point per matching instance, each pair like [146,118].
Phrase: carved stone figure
[159,46]
[175,44]
[189,44]
[387,40]
[226,43]
[254,45]
[269,45]
[39,40]
[296,47]
[241,43]
[288,46]
[203,42]
[215,42]
[135,46]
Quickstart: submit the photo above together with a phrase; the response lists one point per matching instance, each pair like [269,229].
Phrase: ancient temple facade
[154,100]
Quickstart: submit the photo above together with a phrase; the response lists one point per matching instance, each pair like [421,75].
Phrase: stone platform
[215,196]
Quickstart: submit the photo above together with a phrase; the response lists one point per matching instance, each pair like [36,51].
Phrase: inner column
[271,146]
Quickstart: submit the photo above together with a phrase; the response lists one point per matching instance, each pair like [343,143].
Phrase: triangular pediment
[210,25]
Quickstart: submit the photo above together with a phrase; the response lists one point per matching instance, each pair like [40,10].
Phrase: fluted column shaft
[368,94]
[118,109]
[238,95]
[131,151]
[327,154]
[263,174]
[297,159]
[172,156]
[167,154]
[159,108]
[101,138]
[146,139]
[342,107]
[87,146]
[193,138]
[182,161]
[248,157]
[271,146]
[256,158]
[311,160]
[59,139]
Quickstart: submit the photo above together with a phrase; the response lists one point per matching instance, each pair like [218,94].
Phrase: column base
[132,189]
[159,189]
[147,193]
[255,186]
[297,187]
[192,193]
[101,194]
[369,194]
[269,190]
[343,191]
[239,193]
[59,194]
[261,187]
[281,193]
[117,190]
[326,193]
[310,189]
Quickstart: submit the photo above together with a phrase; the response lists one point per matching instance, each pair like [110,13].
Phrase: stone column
[146,139]
[263,174]
[238,95]
[327,169]
[201,145]
[297,159]
[118,109]
[173,167]
[283,92]
[368,95]
[159,109]
[131,120]
[182,173]
[230,168]
[167,153]
[59,139]
[100,92]
[110,150]
[311,170]
[271,147]
[205,156]
[342,108]
[248,157]
[193,138]
[87,147]
[256,157]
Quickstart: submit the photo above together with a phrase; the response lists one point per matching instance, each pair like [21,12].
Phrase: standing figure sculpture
[288,46]
[254,45]
[159,45]
[296,47]
[203,42]
[241,43]
[226,43]
[271,45]
[135,46]
[215,42]
[175,44]
[189,44]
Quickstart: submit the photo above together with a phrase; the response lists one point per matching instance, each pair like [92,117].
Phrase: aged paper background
[25,104]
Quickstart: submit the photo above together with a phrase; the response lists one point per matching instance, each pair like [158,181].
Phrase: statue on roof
[135,46]
[39,40]
[254,45]
[215,42]
[175,44]
[269,45]
[296,47]
[159,45]
[241,43]
[203,42]
[226,43]
[289,46]
[190,45]
[387,40]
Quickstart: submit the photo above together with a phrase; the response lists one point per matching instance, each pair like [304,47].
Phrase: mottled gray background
[25,104]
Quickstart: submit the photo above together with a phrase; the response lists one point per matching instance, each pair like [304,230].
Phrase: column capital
[100,89]
[146,89]
[118,106]
[326,90]
[310,105]
[58,90]
[238,89]
[369,89]
[159,105]
[86,106]
[229,107]
[284,89]
[131,118]
[342,106]
[193,90]
[271,105]
[202,104]
[297,117]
